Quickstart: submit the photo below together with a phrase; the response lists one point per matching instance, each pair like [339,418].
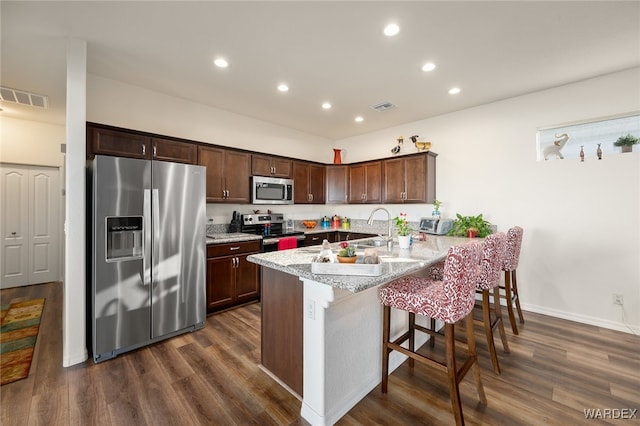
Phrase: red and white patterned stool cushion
[449,300]
[491,261]
[512,256]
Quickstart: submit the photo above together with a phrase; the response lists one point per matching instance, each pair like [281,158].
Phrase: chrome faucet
[389,237]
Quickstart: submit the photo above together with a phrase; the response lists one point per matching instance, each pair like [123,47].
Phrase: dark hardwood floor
[555,371]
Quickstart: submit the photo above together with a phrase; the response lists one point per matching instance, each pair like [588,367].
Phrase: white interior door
[30,225]
[14,226]
[44,225]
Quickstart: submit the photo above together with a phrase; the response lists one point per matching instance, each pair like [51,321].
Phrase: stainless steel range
[271,227]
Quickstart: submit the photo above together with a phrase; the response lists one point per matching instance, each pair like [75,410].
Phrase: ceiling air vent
[24,98]
[383,106]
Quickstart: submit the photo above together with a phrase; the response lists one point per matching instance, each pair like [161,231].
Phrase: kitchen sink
[370,243]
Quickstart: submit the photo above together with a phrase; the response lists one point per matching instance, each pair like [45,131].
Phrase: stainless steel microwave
[268,190]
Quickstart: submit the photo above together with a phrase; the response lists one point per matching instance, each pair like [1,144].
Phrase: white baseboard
[584,319]
[77,358]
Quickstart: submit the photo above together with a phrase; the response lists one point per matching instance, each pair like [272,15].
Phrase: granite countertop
[394,265]
[234,237]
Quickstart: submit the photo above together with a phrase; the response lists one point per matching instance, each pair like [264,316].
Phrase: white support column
[74,348]
[342,351]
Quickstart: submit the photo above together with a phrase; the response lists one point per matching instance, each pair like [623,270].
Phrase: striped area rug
[18,332]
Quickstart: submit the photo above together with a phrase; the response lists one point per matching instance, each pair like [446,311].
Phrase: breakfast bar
[321,333]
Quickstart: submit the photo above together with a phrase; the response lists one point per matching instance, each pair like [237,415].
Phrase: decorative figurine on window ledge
[554,149]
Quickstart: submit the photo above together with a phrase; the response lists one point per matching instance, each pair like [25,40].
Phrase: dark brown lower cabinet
[282,327]
[231,279]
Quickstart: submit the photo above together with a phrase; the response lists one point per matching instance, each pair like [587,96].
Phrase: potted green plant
[626,142]
[347,253]
[470,226]
[436,208]
[404,230]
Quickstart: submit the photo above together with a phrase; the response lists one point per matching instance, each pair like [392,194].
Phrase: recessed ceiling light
[429,66]
[221,62]
[454,90]
[283,87]
[391,30]
[359,119]
[326,105]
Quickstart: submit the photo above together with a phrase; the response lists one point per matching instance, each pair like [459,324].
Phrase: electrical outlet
[311,309]
[617,299]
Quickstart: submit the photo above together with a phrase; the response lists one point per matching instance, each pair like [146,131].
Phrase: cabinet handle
[234,248]
[13,233]
[315,238]
[155,151]
[144,150]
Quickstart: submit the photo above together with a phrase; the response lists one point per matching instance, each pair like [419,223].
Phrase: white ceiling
[325,51]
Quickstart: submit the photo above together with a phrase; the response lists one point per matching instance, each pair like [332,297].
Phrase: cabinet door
[220,283]
[282,167]
[237,168]
[301,194]
[316,183]
[416,179]
[337,184]
[357,185]
[117,143]
[261,165]
[365,183]
[394,180]
[175,151]
[213,160]
[373,182]
[247,280]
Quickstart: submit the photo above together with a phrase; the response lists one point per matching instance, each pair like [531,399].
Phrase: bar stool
[491,262]
[488,286]
[450,300]
[512,257]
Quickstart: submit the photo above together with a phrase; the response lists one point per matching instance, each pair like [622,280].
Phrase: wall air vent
[23,98]
[383,106]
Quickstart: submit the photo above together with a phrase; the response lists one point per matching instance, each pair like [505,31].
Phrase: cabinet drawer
[217,250]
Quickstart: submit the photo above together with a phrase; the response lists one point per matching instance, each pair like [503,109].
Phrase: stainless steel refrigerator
[148,265]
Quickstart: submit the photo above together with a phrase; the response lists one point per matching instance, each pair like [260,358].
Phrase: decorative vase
[627,148]
[404,241]
[472,233]
[337,158]
[345,259]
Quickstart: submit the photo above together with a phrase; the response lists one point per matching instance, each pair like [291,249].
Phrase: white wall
[31,142]
[581,220]
[123,105]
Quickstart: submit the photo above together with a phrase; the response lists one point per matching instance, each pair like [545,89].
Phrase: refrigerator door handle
[146,267]
[155,219]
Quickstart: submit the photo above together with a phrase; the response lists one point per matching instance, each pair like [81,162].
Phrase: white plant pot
[404,242]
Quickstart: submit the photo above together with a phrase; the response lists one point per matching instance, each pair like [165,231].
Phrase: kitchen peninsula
[321,334]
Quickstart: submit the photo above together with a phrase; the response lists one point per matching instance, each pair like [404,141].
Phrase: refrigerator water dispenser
[124,238]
